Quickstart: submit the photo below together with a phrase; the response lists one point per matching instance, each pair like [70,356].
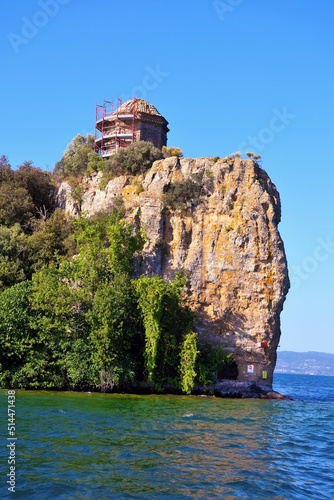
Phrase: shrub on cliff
[136,159]
[181,192]
[171,151]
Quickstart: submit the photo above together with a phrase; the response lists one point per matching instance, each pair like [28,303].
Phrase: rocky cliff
[227,240]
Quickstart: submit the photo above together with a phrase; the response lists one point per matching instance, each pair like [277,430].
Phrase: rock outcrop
[228,242]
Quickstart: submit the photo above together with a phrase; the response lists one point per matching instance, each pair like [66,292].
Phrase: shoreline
[232,389]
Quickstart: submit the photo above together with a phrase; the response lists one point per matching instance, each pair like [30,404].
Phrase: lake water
[102,446]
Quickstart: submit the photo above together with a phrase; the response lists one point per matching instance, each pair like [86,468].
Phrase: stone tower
[134,120]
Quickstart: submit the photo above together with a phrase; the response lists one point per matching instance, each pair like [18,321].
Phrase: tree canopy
[76,157]
[26,194]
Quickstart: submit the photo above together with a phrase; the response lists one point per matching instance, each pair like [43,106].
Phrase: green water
[94,446]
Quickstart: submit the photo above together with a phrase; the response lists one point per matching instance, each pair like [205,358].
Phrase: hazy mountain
[307,363]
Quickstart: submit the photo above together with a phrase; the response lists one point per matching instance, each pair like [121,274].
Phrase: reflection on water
[93,446]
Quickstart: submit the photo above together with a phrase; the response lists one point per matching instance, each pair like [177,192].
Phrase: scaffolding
[115,128]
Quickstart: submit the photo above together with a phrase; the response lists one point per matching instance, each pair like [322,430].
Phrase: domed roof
[142,107]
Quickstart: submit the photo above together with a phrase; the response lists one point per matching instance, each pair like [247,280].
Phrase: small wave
[188,415]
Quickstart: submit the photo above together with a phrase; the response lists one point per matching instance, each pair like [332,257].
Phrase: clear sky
[228,75]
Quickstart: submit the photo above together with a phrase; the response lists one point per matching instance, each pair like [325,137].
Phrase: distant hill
[306,363]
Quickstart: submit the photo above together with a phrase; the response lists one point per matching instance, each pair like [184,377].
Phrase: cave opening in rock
[229,372]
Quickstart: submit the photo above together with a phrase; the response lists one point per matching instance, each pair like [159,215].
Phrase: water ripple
[92,446]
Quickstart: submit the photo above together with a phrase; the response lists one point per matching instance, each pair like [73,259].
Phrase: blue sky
[229,74]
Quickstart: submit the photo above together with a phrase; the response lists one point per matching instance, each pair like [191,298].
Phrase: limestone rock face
[228,242]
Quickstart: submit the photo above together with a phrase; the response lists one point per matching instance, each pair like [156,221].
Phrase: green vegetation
[11,247]
[167,325]
[26,209]
[182,192]
[81,161]
[210,360]
[171,151]
[72,313]
[26,194]
[235,155]
[252,156]
[209,174]
[189,354]
[85,322]
[139,189]
[189,190]
[135,159]
[77,158]
[209,180]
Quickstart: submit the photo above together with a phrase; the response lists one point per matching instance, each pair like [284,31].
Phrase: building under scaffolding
[118,126]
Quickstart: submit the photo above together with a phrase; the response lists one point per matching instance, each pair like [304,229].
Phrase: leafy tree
[16,205]
[11,255]
[25,359]
[6,173]
[95,163]
[76,157]
[39,185]
[60,307]
[25,194]
[87,307]
[83,321]
[116,332]
[51,237]
[107,247]
[17,340]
